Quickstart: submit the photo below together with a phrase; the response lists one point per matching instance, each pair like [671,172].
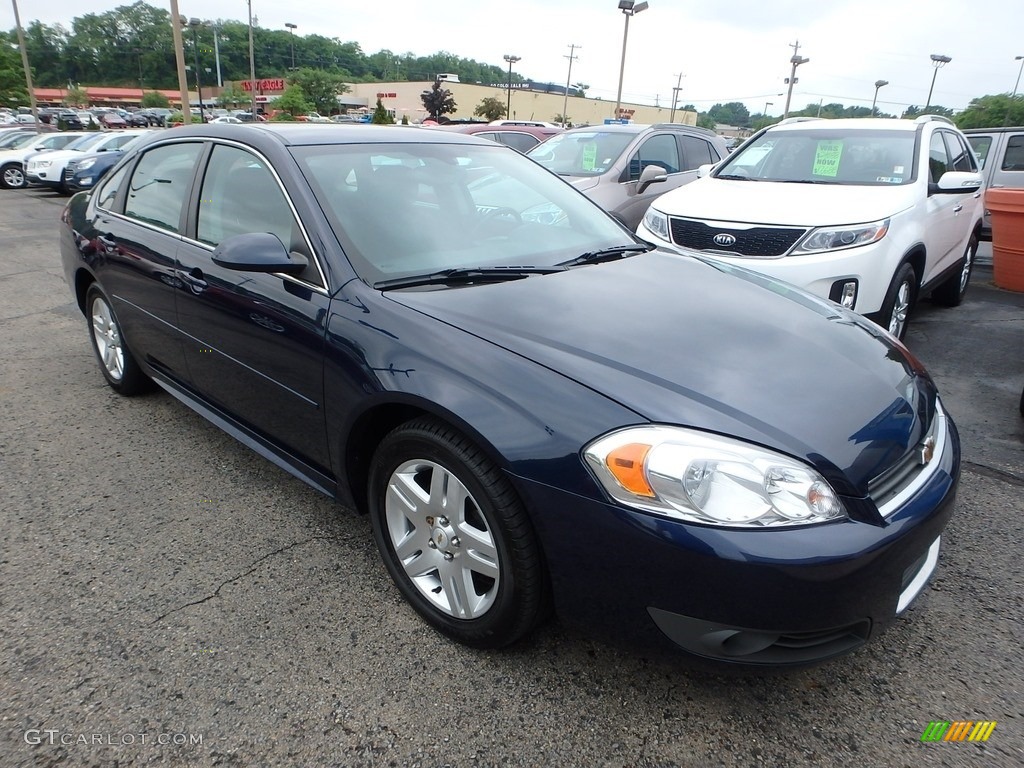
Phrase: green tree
[381,116]
[76,97]
[704,120]
[992,111]
[912,112]
[232,96]
[13,92]
[733,113]
[438,101]
[293,101]
[581,89]
[155,99]
[490,108]
[321,87]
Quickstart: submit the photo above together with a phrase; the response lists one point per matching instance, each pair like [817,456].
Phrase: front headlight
[657,223]
[835,238]
[85,164]
[40,164]
[703,478]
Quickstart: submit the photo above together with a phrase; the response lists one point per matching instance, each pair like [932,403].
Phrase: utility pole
[796,60]
[565,101]
[179,60]
[675,97]
[24,63]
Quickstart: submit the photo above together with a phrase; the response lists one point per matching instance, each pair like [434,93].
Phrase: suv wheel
[899,301]
[951,293]
[12,176]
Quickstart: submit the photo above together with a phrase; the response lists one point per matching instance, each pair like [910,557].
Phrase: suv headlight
[657,223]
[835,238]
[82,165]
[40,163]
[704,478]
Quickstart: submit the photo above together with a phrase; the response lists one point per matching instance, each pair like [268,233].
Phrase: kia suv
[624,168]
[871,213]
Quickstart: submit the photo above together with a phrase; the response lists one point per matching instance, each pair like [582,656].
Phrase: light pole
[565,101]
[511,60]
[938,62]
[796,61]
[216,53]
[675,97]
[629,8]
[252,64]
[24,63]
[194,23]
[766,105]
[1016,85]
[291,31]
[878,84]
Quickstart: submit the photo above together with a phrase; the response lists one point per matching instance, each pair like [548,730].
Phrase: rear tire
[899,301]
[117,364]
[951,293]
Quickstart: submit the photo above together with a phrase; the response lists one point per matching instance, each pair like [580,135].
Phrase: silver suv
[623,168]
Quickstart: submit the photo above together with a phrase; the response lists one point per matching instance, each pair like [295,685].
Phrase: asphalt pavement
[170,598]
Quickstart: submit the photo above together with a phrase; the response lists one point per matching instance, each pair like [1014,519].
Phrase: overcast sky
[734,50]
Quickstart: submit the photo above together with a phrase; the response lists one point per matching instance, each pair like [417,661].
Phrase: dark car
[136,120]
[86,171]
[68,121]
[532,406]
[521,137]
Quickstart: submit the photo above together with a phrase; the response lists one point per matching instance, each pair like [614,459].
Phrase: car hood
[680,340]
[57,155]
[583,182]
[787,204]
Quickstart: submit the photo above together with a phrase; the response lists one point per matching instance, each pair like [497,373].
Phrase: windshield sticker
[589,156]
[898,170]
[826,158]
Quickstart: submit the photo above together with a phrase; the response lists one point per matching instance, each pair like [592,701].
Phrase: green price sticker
[589,156]
[826,158]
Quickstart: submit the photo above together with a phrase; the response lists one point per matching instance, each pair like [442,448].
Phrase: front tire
[116,361]
[899,301]
[12,176]
[454,536]
[951,293]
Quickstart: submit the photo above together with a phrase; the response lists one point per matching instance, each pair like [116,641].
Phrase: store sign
[387,95]
[267,84]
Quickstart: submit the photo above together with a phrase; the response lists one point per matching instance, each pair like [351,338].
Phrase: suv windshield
[861,157]
[412,209]
[581,153]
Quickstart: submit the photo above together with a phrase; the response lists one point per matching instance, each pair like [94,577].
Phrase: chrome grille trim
[898,484]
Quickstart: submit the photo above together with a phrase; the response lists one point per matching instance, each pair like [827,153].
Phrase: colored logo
[958,730]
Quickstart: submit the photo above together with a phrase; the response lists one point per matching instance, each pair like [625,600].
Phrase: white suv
[871,213]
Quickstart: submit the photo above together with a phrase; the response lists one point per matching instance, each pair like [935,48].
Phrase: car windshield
[581,153]
[84,142]
[16,139]
[410,209]
[861,157]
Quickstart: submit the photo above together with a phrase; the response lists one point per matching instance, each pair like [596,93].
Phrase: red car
[112,120]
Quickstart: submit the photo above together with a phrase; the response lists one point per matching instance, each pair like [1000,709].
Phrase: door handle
[108,242]
[193,278]
[959,207]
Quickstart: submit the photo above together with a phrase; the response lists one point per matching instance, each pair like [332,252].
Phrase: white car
[12,161]
[225,119]
[872,213]
[48,169]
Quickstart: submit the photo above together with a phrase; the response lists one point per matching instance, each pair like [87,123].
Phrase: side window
[108,191]
[961,158]
[938,162]
[1013,160]
[658,150]
[697,152]
[981,146]
[519,141]
[159,185]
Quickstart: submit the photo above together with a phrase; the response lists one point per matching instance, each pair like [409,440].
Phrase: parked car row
[53,159]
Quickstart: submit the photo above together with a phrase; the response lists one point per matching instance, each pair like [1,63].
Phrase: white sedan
[225,119]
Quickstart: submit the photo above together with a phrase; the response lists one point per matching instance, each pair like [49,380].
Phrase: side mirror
[652,174]
[705,170]
[258,252]
[958,182]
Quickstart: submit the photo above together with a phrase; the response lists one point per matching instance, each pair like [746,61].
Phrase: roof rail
[696,128]
[801,119]
[930,118]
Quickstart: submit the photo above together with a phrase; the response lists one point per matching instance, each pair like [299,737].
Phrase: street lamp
[766,105]
[216,53]
[938,62]
[796,61]
[511,60]
[1016,85]
[878,84]
[629,8]
[195,23]
[291,31]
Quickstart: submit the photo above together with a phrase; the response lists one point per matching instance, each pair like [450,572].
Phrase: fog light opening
[844,292]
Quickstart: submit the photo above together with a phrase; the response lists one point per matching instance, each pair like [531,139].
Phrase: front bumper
[762,597]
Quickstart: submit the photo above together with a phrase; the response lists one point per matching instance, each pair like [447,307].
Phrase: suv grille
[753,241]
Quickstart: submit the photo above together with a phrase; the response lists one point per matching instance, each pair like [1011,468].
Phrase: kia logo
[725,239]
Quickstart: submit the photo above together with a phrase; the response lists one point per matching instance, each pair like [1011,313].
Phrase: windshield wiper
[808,181]
[607,254]
[735,177]
[465,275]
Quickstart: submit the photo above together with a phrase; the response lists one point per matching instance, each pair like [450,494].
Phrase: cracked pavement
[157,579]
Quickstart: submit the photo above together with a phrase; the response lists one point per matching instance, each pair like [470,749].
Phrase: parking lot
[171,598]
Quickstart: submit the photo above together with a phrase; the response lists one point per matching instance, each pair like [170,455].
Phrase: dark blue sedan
[534,408]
